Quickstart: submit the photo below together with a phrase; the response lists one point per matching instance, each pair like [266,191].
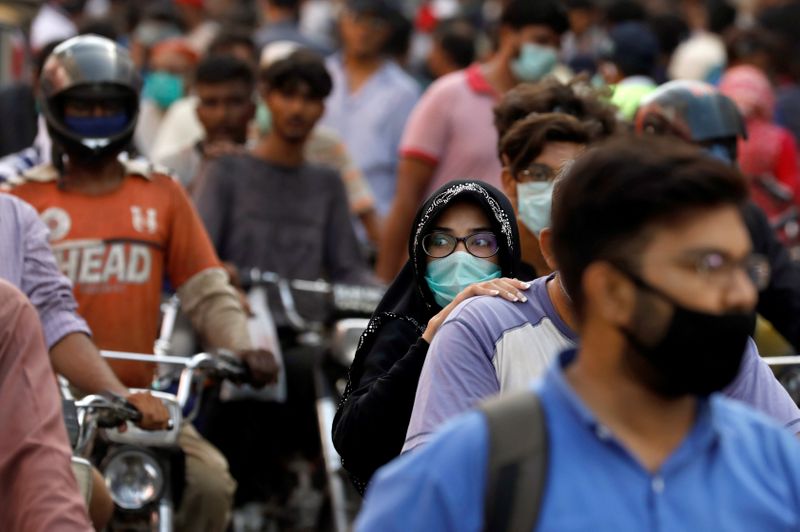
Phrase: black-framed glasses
[438,245]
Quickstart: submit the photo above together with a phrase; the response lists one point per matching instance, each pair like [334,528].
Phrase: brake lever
[126,411]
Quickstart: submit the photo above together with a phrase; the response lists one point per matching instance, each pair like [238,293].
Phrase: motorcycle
[143,469]
[778,202]
[335,334]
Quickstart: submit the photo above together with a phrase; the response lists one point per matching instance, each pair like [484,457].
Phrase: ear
[609,295]
[508,41]
[509,183]
[546,247]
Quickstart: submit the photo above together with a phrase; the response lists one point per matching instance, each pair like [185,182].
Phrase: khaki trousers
[208,494]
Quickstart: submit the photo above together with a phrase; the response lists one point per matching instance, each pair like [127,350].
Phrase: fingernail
[523,298]
[495,292]
[513,297]
[525,286]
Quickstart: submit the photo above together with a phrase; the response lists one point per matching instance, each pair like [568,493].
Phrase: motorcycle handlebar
[219,366]
[112,410]
[345,298]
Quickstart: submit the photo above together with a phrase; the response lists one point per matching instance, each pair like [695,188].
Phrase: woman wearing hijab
[464,243]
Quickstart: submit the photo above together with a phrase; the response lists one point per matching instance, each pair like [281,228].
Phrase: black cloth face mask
[700,353]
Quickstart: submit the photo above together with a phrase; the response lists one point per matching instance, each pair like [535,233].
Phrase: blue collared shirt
[735,471]
[371,122]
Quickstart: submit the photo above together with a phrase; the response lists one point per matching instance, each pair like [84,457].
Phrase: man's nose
[742,293]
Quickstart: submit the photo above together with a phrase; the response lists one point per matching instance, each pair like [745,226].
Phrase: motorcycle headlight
[134,479]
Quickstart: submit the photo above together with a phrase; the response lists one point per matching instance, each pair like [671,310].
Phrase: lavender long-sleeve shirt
[27,261]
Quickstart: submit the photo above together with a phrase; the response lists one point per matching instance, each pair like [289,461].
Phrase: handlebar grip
[123,411]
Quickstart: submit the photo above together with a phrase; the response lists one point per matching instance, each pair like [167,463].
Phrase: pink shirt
[452,127]
[38,491]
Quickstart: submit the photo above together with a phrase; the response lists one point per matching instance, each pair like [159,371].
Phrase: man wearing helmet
[699,114]
[148,231]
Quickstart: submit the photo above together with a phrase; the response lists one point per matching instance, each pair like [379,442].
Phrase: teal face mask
[448,276]
[533,202]
[534,62]
[163,88]
[263,118]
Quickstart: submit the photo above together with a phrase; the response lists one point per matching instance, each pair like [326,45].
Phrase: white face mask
[533,202]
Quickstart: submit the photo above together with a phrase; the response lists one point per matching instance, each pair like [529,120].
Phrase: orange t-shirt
[117,249]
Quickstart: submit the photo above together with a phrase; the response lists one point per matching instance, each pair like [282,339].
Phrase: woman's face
[461,220]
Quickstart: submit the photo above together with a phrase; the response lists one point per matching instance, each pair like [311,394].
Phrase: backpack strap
[517,465]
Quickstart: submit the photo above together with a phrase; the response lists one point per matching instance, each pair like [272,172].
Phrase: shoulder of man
[437,487]
[454,81]
[324,175]
[496,314]
[402,81]
[759,440]
[47,173]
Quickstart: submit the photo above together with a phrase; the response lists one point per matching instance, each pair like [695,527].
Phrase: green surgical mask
[163,88]
[448,276]
[263,118]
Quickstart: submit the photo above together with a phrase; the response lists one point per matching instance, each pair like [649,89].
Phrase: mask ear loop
[57,156]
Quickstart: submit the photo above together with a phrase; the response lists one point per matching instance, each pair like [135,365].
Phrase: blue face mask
[448,276]
[97,127]
[163,88]
[534,62]
[534,201]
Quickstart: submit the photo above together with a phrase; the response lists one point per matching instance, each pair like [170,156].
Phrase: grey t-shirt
[293,221]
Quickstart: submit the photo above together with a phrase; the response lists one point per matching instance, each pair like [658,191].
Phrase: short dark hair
[609,201]
[302,67]
[721,15]
[216,69]
[526,140]
[520,13]
[553,96]
[625,11]
[229,38]
[457,38]
[741,43]
[286,4]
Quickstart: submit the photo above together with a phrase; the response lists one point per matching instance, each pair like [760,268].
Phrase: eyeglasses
[536,173]
[719,269]
[438,245]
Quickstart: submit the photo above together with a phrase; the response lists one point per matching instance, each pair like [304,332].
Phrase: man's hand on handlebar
[262,365]
[155,415]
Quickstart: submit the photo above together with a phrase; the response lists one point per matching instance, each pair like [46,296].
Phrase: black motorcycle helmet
[694,111]
[91,69]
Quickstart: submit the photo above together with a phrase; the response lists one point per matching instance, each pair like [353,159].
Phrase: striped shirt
[27,261]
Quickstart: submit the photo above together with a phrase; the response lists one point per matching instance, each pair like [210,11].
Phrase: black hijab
[408,298]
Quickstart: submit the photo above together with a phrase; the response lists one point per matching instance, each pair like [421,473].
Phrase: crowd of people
[577,209]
